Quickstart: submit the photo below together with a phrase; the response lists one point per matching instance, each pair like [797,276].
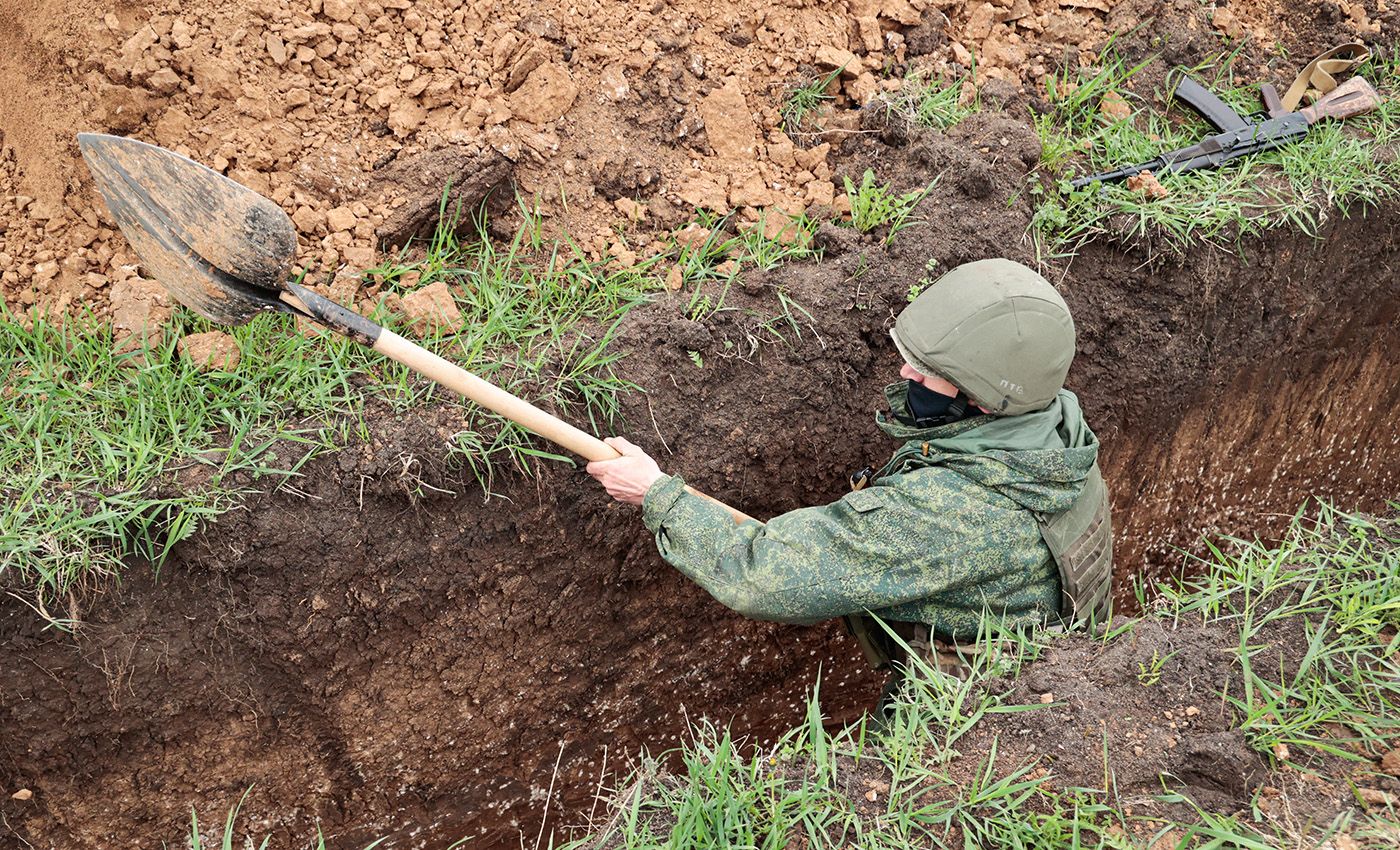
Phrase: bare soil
[387,659]
[618,119]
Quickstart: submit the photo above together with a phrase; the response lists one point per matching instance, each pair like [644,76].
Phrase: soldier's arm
[807,565]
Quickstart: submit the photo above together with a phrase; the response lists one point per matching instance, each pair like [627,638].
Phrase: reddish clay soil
[424,667]
[620,119]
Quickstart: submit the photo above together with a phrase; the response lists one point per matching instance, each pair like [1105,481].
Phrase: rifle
[1239,136]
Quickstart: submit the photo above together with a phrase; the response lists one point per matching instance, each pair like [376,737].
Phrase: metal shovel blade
[220,248]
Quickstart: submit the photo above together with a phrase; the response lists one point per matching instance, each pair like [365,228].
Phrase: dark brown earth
[387,659]
[1135,718]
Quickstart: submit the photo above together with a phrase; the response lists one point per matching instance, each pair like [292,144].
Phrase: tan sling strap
[1319,76]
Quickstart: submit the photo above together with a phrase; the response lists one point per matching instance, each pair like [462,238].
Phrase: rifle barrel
[1213,150]
[1117,174]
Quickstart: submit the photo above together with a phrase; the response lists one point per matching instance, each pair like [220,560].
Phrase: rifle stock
[1354,97]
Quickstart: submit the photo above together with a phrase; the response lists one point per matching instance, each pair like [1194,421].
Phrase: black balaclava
[930,409]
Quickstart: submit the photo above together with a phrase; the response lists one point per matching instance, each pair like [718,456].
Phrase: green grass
[540,304]
[90,432]
[1340,167]
[93,438]
[926,101]
[875,205]
[804,102]
[792,240]
[921,101]
[1333,582]
[710,268]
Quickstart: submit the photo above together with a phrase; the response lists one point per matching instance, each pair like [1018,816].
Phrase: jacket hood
[1040,460]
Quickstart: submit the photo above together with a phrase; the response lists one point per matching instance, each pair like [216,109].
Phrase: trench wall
[429,668]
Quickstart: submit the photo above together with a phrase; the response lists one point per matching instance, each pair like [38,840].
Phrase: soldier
[992,502]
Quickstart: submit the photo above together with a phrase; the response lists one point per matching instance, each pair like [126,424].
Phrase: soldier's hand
[627,478]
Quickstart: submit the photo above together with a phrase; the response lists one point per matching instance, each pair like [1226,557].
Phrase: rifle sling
[1318,77]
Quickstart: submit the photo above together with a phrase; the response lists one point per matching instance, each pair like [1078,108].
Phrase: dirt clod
[210,351]
[1114,107]
[431,309]
[1146,184]
[728,124]
[546,94]
[139,309]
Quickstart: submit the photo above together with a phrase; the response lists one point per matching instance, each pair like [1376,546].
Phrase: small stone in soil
[210,350]
[432,308]
[1146,184]
[1113,107]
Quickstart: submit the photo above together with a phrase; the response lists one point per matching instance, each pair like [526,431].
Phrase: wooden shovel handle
[512,407]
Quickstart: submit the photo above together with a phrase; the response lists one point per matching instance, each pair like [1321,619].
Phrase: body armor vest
[1080,540]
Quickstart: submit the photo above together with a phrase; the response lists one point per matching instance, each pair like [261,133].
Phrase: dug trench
[382,652]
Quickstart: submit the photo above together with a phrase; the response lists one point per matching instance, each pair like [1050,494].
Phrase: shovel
[226,252]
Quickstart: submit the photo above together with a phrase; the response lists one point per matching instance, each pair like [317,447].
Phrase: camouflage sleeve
[856,554]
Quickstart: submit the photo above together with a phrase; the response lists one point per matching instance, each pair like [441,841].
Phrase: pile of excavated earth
[619,120]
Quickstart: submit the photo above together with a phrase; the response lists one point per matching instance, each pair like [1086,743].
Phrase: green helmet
[997,330]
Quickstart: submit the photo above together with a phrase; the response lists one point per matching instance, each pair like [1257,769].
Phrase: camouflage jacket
[947,530]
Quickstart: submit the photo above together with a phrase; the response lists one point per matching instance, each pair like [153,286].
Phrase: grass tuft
[1330,583]
[804,102]
[926,101]
[874,205]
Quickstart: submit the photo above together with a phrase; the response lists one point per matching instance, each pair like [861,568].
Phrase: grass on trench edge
[1349,674]
[1339,167]
[94,436]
